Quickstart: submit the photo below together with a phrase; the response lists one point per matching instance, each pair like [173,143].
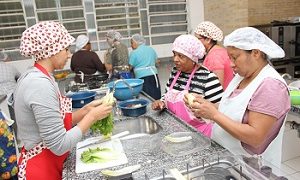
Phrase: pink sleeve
[214,62]
[270,98]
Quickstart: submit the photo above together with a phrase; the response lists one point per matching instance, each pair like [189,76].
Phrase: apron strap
[151,69]
[190,78]
[189,81]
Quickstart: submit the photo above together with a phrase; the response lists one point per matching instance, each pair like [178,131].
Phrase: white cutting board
[114,144]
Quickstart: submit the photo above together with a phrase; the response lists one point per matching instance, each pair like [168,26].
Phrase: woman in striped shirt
[188,76]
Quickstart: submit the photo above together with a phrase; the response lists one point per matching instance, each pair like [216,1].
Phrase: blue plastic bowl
[128,109]
[79,99]
[122,91]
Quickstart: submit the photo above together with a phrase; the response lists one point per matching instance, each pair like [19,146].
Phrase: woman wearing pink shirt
[216,59]
[250,118]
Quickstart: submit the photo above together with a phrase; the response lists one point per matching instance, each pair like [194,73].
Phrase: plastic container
[196,144]
[295,97]
[123,92]
[133,107]
[81,98]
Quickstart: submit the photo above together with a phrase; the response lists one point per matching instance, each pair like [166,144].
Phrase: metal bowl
[81,98]
[133,107]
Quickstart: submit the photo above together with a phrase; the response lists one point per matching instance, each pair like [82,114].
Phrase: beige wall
[227,14]
[231,14]
[265,11]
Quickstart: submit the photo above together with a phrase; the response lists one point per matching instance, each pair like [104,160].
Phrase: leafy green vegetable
[96,155]
[104,126]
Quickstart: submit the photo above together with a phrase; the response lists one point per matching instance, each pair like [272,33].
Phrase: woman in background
[8,75]
[216,58]
[143,59]
[84,60]
[117,54]
[188,76]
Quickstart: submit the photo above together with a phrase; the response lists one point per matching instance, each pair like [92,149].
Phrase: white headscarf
[81,41]
[248,38]
[139,39]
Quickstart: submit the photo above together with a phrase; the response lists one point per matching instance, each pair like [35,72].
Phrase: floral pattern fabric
[8,157]
[44,40]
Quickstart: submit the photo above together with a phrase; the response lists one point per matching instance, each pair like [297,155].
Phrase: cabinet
[291,140]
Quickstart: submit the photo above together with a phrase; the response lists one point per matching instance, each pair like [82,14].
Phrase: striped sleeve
[213,89]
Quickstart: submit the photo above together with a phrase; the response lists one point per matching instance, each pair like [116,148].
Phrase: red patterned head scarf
[209,30]
[44,40]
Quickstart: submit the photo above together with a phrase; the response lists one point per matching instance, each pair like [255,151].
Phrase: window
[120,15]
[69,12]
[11,27]
[168,19]
[160,21]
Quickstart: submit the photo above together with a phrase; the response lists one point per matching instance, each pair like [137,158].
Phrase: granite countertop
[152,158]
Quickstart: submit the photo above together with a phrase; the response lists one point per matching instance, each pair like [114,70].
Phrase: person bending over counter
[143,59]
[84,60]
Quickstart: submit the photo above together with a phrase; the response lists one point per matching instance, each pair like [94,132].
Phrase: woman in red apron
[43,155]
[189,76]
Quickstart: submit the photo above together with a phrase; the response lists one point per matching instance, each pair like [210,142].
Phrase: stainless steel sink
[221,169]
[139,126]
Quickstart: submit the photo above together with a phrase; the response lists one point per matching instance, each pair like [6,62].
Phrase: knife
[124,133]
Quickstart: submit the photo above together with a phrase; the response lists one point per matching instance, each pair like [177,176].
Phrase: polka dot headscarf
[44,40]
[189,46]
[209,30]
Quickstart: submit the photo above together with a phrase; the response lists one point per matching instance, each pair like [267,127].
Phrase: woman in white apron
[250,117]
[143,59]
[189,76]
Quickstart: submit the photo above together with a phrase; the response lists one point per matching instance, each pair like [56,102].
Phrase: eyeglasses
[67,48]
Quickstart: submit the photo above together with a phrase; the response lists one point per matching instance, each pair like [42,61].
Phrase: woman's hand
[94,114]
[99,112]
[93,104]
[158,105]
[203,108]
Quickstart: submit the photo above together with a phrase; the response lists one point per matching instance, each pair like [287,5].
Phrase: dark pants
[150,88]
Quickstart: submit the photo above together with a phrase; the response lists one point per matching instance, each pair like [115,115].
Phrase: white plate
[114,144]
